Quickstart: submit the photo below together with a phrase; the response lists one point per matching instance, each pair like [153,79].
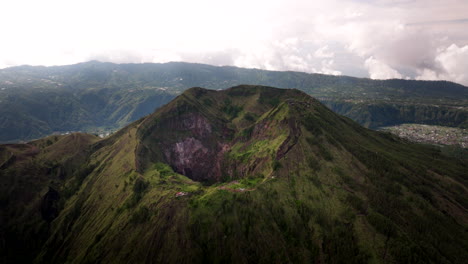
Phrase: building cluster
[431,134]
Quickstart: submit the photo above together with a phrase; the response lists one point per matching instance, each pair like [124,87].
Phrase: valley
[36,101]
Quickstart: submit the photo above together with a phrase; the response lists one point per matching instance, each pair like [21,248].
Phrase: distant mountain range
[249,174]
[37,101]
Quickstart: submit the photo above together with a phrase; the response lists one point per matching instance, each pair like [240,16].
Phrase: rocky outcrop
[197,124]
[191,144]
[291,140]
[189,157]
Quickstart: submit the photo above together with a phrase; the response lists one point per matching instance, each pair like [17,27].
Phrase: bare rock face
[188,149]
[196,161]
[195,156]
[198,157]
[196,132]
[188,157]
[190,144]
[197,124]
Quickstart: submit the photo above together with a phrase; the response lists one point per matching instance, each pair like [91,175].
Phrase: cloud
[324,52]
[453,65]
[379,70]
[327,68]
[428,75]
[439,22]
[364,38]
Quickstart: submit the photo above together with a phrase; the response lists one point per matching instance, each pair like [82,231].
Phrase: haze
[381,39]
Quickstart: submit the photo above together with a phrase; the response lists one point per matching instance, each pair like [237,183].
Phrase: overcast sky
[418,39]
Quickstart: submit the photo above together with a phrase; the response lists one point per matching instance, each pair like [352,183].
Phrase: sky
[380,39]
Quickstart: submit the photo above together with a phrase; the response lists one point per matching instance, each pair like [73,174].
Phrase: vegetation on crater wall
[338,193]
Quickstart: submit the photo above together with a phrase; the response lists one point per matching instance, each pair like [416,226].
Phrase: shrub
[140,216]
[313,163]
[276,165]
[140,186]
[249,117]
[325,153]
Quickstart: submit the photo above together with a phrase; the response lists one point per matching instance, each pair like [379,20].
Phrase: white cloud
[324,52]
[403,38]
[428,75]
[379,70]
[453,62]
[296,63]
[327,68]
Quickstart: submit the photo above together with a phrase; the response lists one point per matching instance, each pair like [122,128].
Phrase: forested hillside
[37,101]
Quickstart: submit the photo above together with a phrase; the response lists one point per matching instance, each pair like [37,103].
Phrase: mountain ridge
[300,185]
[37,101]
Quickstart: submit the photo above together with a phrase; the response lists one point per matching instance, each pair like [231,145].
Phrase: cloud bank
[379,70]
[381,39]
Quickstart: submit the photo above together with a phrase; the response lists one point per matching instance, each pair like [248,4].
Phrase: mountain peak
[248,174]
[198,133]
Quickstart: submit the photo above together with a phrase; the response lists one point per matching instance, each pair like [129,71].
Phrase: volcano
[250,174]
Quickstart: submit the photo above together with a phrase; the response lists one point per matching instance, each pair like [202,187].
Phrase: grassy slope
[30,172]
[338,194]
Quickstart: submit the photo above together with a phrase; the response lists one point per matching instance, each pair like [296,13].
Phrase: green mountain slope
[36,101]
[250,174]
